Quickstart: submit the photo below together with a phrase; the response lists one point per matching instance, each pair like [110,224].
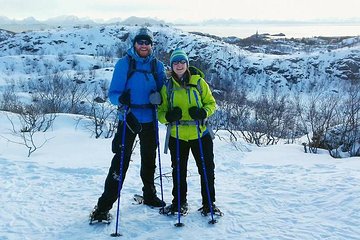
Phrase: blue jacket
[141,84]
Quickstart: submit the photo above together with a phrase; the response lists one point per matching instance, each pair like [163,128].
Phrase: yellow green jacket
[184,98]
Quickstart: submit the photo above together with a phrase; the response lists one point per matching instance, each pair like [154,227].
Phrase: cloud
[183,9]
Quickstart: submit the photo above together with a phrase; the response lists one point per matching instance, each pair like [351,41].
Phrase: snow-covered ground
[276,192]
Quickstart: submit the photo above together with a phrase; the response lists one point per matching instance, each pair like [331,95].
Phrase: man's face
[143,47]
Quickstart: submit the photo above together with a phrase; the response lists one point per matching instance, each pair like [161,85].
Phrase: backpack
[169,89]
[132,69]
[132,122]
[194,71]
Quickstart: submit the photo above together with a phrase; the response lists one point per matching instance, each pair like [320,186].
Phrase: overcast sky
[194,10]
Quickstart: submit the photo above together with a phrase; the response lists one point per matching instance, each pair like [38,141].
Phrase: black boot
[154,201]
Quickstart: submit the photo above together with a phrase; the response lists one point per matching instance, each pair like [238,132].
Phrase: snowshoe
[138,199]
[205,210]
[97,216]
[151,202]
[172,209]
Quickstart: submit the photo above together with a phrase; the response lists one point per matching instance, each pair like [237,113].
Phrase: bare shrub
[102,115]
[271,119]
[32,121]
[318,115]
[345,137]
[9,100]
[57,93]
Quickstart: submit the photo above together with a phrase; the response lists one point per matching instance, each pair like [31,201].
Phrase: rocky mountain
[32,24]
[256,65]
[289,71]
[4,35]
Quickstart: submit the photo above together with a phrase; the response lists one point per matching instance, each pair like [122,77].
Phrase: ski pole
[116,234]
[178,224]
[212,221]
[158,146]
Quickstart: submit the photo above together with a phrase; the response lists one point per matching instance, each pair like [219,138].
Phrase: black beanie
[144,34]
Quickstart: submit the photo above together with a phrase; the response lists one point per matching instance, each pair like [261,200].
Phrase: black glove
[197,113]
[155,98]
[173,115]
[124,98]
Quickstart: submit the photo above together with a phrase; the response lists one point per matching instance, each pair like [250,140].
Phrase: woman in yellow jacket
[187,99]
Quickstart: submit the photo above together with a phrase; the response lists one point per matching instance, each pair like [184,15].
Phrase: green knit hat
[178,55]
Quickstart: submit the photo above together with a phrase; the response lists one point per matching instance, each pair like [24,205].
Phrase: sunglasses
[178,62]
[143,42]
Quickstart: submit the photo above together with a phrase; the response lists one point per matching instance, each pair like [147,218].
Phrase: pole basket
[115,235]
[179,224]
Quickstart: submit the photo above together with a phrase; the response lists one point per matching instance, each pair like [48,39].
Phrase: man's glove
[197,113]
[173,115]
[124,98]
[155,98]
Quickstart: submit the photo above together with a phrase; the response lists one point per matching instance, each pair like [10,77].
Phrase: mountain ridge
[283,63]
[315,71]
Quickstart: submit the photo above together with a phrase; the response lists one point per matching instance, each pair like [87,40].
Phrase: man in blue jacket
[136,82]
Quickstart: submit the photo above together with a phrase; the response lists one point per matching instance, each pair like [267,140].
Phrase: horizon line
[180,21]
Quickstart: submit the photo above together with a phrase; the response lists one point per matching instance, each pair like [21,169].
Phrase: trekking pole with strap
[178,224]
[158,146]
[116,234]
[212,221]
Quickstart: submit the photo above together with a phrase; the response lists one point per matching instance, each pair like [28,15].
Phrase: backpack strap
[198,86]
[169,92]
[132,67]
[154,69]
[153,64]
[170,89]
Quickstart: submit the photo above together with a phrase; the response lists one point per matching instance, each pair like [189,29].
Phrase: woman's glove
[197,113]
[173,115]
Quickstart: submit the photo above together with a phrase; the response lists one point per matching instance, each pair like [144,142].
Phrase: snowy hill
[297,70]
[276,192]
[288,65]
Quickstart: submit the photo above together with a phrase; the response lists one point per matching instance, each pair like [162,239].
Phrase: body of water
[290,30]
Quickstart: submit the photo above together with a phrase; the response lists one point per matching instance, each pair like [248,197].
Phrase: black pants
[185,146]
[148,155]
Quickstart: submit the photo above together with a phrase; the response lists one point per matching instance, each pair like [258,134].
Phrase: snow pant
[185,146]
[148,147]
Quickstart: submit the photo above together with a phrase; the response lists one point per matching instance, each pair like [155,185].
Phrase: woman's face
[179,68]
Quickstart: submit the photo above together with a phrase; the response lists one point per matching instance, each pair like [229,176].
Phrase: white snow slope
[276,192]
